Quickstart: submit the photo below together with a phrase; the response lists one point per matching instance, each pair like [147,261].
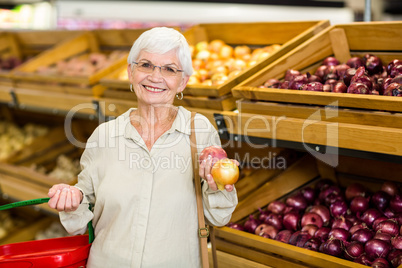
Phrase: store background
[85,15]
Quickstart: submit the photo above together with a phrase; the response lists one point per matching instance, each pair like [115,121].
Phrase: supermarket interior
[305,96]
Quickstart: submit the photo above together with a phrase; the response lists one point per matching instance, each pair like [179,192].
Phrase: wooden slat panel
[50,100]
[269,246]
[351,116]
[340,44]
[233,261]
[5,94]
[258,257]
[224,103]
[371,102]
[382,140]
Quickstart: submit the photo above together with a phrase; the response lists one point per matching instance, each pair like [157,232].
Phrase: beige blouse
[144,201]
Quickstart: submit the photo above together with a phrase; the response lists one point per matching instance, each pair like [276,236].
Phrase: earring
[131,88]
[181,96]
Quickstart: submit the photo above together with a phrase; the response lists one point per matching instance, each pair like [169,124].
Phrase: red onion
[274,220]
[323,211]
[272,83]
[291,220]
[398,218]
[297,82]
[323,184]
[397,261]
[377,221]
[297,201]
[359,204]
[380,200]
[309,194]
[396,203]
[390,187]
[312,244]
[330,61]
[358,88]
[353,219]
[394,254]
[362,235]
[338,208]
[355,62]
[397,242]
[341,69]
[392,64]
[251,224]
[321,71]
[356,227]
[373,64]
[380,263]
[376,248]
[363,259]
[310,228]
[311,218]
[340,234]
[284,85]
[392,89]
[383,236]
[313,78]
[361,77]
[388,226]
[332,247]
[325,191]
[355,189]
[283,236]
[340,87]
[343,223]
[313,86]
[347,77]
[322,233]
[332,198]
[263,214]
[370,215]
[290,74]
[354,250]
[299,238]
[236,226]
[389,213]
[276,207]
[267,231]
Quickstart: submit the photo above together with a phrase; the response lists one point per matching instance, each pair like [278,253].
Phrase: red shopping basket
[71,251]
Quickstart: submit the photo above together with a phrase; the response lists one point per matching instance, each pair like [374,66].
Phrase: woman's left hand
[205,173]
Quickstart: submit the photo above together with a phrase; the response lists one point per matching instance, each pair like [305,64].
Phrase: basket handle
[37,201]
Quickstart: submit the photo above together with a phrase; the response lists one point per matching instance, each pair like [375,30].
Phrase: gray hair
[160,40]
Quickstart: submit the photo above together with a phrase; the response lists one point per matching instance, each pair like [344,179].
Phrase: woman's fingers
[64,197]
[211,183]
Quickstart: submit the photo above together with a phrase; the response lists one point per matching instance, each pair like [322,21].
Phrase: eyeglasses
[148,67]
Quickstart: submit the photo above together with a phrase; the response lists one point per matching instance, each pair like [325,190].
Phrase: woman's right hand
[64,197]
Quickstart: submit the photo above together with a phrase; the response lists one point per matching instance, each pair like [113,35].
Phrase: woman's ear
[130,73]
[183,83]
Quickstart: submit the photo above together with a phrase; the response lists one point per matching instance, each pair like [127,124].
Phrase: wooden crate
[304,172]
[104,41]
[288,34]
[383,39]
[24,45]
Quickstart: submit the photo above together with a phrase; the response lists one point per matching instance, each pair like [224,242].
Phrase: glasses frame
[160,69]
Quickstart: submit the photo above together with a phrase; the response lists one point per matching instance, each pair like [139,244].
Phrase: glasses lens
[145,67]
[168,71]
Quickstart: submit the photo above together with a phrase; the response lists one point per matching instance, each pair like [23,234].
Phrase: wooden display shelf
[315,131]
[103,41]
[5,94]
[343,41]
[25,45]
[288,34]
[55,101]
[304,172]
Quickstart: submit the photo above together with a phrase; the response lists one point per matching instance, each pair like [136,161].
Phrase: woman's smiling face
[154,88]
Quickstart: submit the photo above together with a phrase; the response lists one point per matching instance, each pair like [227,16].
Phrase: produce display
[224,171]
[366,75]
[82,65]
[9,62]
[66,169]
[351,223]
[13,138]
[215,62]
[55,230]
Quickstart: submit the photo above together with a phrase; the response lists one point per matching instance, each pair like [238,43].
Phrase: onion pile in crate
[351,223]
[366,75]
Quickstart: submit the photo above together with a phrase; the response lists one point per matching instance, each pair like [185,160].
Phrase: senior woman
[137,172]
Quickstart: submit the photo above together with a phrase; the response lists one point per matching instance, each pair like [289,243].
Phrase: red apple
[216,152]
